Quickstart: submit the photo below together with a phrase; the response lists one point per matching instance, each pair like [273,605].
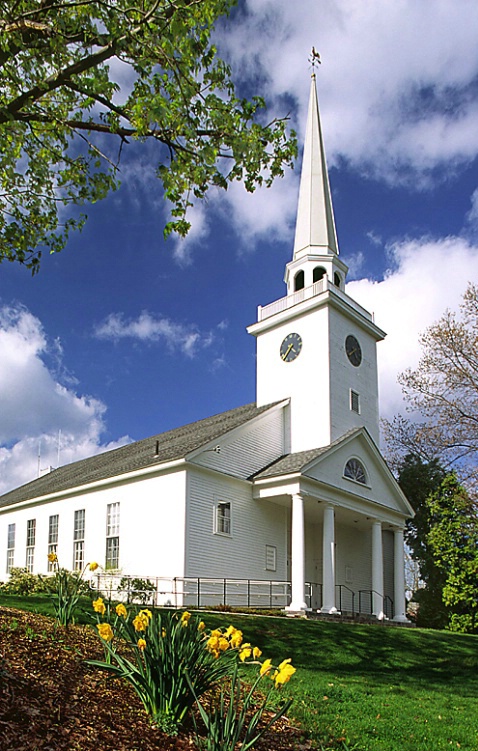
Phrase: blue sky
[123,335]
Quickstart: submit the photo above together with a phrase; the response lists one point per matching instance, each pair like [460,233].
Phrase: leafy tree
[64,119]
[419,480]
[443,389]
[453,540]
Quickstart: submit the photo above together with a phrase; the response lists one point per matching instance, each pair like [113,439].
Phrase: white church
[286,502]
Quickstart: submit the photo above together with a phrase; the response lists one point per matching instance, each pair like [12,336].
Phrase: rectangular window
[112,536]
[354,401]
[52,538]
[223,518]
[10,547]
[79,540]
[271,558]
[31,530]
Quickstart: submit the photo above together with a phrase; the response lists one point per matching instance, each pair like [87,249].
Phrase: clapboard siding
[151,542]
[249,448]
[255,524]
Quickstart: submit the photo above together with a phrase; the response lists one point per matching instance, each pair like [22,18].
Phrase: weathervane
[314,58]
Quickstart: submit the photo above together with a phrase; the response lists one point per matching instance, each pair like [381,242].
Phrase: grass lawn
[365,688]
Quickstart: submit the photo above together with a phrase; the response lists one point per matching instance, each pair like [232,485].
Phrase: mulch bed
[50,700]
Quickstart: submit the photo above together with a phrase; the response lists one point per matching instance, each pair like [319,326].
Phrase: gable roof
[292,463]
[164,447]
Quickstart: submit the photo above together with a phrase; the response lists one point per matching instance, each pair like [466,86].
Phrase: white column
[298,555]
[328,561]
[377,571]
[399,578]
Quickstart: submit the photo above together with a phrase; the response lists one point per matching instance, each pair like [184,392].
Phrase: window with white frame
[52,539]
[112,536]
[79,540]
[31,531]
[354,401]
[222,524]
[10,547]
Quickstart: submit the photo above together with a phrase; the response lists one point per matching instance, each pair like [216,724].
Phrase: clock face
[290,347]
[353,350]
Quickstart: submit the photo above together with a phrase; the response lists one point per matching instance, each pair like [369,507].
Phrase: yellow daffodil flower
[256,652]
[201,626]
[284,674]
[93,566]
[121,610]
[245,652]
[105,631]
[163,633]
[146,613]
[140,622]
[142,644]
[266,667]
[185,618]
[99,606]
[52,557]
[236,639]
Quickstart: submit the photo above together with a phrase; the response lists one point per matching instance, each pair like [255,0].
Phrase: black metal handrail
[341,587]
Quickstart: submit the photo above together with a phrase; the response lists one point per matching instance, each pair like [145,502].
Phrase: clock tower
[317,346]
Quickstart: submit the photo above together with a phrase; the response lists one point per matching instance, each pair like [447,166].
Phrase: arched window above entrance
[354,470]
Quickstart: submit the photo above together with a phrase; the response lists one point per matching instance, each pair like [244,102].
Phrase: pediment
[380,486]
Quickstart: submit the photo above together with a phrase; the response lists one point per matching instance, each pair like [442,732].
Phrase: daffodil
[245,652]
[141,622]
[163,633]
[141,644]
[121,610]
[256,652]
[105,631]
[236,639]
[52,557]
[266,667]
[201,626]
[93,566]
[185,618]
[99,606]
[146,613]
[284,674]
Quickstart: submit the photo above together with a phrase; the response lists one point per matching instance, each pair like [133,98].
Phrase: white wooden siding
[152,518]
[249,449]
[255,524]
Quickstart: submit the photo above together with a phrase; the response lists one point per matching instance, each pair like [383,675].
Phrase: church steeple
[315,227]
[316,249]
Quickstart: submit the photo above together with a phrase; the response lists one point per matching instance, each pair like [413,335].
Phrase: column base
[295,607]
[400,619]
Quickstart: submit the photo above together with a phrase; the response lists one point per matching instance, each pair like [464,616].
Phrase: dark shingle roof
[164,447]
[291,463]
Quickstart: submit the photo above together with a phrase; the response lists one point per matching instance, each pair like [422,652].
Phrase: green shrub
[22,582]
[137,590]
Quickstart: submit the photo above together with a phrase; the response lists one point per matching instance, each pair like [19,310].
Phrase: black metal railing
[203,592]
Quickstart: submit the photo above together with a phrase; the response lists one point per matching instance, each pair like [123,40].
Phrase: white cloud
[472,216]
[35,405]
[427,277]
[148,328]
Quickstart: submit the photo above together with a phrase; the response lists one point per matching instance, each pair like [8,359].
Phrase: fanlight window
[355,470]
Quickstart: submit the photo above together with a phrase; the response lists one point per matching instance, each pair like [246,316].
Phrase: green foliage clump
[136,589]
[22,582]
[64,120]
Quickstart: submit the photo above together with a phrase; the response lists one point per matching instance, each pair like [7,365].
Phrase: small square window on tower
[354,401]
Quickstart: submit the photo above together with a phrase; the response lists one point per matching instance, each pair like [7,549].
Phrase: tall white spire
[315,229]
